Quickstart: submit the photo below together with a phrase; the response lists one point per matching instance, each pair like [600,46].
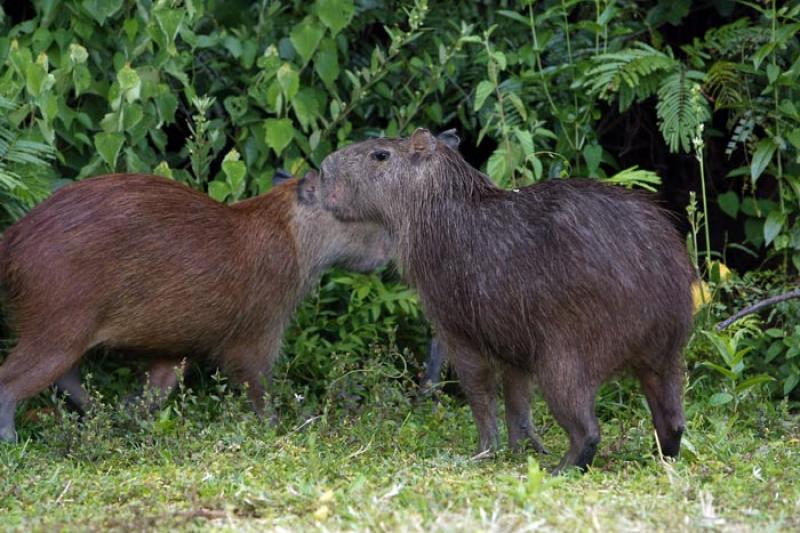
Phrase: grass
[205,462]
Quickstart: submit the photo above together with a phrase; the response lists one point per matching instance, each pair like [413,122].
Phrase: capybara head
[357,180]
[358,246]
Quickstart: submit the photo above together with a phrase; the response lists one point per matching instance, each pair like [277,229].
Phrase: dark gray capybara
[564,283]
[145,264]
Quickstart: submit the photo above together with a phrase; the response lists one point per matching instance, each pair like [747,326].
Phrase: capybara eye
[380,155]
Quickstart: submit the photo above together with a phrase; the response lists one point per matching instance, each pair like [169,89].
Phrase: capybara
[564,283]
[143,264]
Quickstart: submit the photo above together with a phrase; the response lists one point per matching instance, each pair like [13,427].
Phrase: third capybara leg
[477,381]
[70,386]
[664,396]
[29,369]
[517,392]
[163,377]
[433,366]
[570,394]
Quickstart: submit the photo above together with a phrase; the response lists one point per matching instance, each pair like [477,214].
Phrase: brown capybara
[564,283]
[143,264]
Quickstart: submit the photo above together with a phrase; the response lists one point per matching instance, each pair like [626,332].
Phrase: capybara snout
[144,264]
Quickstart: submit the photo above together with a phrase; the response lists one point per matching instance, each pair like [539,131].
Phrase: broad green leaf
[525,141]
[278,133]
[131,28]
[761,158]
[729,203]
[794,137]
[773,72]
[721,398]
[306,108]
[305,38]
[235,170]
[129,83]
[326,62]
[162,169]
[218,190]
[497,166]
[790,383]
[289,80]
[108,146]
[335,14]
[753,382]
[169,20]
[762,53]
[35,78]
[773,225]
[78,53]
[593,155]
[132,116]
[482,92]
[100,10]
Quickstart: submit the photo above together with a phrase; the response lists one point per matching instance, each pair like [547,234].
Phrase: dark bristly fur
[146,265]
[565,282]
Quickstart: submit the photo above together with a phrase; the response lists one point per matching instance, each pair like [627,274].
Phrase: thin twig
[758,306]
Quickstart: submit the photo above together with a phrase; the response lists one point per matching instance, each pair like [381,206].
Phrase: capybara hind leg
[517,392]
[570,394]
[477,381]
[70,386]
[664,393]
[27,371]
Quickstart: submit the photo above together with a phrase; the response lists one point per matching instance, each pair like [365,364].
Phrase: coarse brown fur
[143,264]
[565,282]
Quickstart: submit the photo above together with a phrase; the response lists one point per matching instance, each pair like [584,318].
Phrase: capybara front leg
[517,392]
[251,363]
[477,381]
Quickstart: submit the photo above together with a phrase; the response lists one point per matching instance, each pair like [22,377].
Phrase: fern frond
[681,108]
[635,177]
[634,73]
[723,81]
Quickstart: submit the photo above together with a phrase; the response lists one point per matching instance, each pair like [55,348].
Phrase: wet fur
[566,282]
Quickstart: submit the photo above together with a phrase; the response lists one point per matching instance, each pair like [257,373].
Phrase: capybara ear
[307,188]
[421,141]
[450,139]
